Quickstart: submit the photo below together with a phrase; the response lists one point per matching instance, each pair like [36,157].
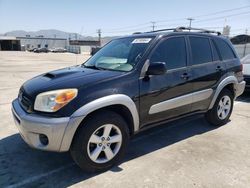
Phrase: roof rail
[199,29]
[181,29]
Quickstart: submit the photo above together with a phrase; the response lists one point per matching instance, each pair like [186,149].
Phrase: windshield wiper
[93,67]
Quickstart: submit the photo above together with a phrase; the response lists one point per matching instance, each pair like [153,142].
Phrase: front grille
[25,101]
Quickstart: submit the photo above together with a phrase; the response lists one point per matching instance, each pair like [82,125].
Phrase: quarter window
[215,52]
[201,51]
[172,51]
[224,49]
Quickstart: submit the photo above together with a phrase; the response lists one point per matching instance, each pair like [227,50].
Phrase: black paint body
[144,90]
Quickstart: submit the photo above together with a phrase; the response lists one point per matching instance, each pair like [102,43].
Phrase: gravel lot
[184,153]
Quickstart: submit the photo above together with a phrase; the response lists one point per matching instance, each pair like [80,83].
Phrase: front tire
[101,142]
[222,109]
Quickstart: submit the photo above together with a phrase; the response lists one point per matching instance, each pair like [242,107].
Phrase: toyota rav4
[130,84]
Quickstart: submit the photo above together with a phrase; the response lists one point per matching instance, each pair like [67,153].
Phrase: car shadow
[245,97]
[24,166]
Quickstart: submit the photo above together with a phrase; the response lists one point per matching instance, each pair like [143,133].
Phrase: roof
[241,39]
[178,31]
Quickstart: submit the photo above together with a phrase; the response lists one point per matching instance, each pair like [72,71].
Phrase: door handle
[219,68]
[185,76]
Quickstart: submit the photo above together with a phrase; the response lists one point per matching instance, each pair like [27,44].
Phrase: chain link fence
[242,49]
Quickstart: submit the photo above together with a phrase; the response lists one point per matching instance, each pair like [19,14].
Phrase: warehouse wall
[242,49]
[30,43]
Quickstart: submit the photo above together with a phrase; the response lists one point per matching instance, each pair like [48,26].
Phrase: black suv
[130,84]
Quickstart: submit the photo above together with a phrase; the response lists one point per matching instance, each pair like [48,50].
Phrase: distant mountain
[53,33]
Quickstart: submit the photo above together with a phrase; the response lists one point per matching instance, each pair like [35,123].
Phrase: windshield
[120,54]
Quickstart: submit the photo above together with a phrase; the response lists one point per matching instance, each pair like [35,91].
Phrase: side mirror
[157,68]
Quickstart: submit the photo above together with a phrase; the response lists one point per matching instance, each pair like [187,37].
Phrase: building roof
[46,38]
[7,38]
[241,39]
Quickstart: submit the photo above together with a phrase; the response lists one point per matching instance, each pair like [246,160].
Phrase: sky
[116,17]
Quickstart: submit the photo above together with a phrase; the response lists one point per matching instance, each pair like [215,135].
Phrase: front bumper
[31,126]
[239,88]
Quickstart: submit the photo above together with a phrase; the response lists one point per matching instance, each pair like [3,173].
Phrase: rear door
[161,95]
[206,70]
[228,56]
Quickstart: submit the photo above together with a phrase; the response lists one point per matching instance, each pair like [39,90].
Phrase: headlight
[52,101]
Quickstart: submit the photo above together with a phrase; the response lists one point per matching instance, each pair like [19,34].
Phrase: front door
[168,95]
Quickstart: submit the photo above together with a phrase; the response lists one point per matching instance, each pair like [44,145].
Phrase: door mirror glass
[157,68]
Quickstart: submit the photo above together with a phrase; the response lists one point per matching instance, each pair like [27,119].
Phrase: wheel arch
[119,103]
[229,83]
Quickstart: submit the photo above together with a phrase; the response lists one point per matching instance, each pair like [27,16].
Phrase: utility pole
[190,21]
[153,26]
[99,32]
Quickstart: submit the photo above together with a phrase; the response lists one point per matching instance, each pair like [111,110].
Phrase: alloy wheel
[104,143]
[224,107]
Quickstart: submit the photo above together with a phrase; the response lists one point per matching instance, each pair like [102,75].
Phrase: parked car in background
[246,70]
[58,50]
[40,50]
[32,49]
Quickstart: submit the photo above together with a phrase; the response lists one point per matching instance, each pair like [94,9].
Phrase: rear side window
[224,49]
[172,51]
[201,51]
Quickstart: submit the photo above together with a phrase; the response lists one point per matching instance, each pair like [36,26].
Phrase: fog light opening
[43,139]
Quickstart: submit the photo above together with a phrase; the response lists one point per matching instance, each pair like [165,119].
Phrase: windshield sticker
[141,40]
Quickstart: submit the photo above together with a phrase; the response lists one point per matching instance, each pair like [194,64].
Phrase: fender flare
[222,84]
[78,116]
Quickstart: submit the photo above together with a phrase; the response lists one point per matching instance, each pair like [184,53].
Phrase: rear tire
[222,109]
[101,142]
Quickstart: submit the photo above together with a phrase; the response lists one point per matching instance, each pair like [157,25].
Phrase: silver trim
[82,112]
[60,131]
[238,88]
[30,126]
[108,101]
[181,101]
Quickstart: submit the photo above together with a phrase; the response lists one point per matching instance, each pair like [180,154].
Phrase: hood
[71,77]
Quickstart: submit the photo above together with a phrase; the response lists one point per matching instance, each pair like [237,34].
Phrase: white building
[42,42]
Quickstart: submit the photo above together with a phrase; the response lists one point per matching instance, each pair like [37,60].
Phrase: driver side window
[172,51]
